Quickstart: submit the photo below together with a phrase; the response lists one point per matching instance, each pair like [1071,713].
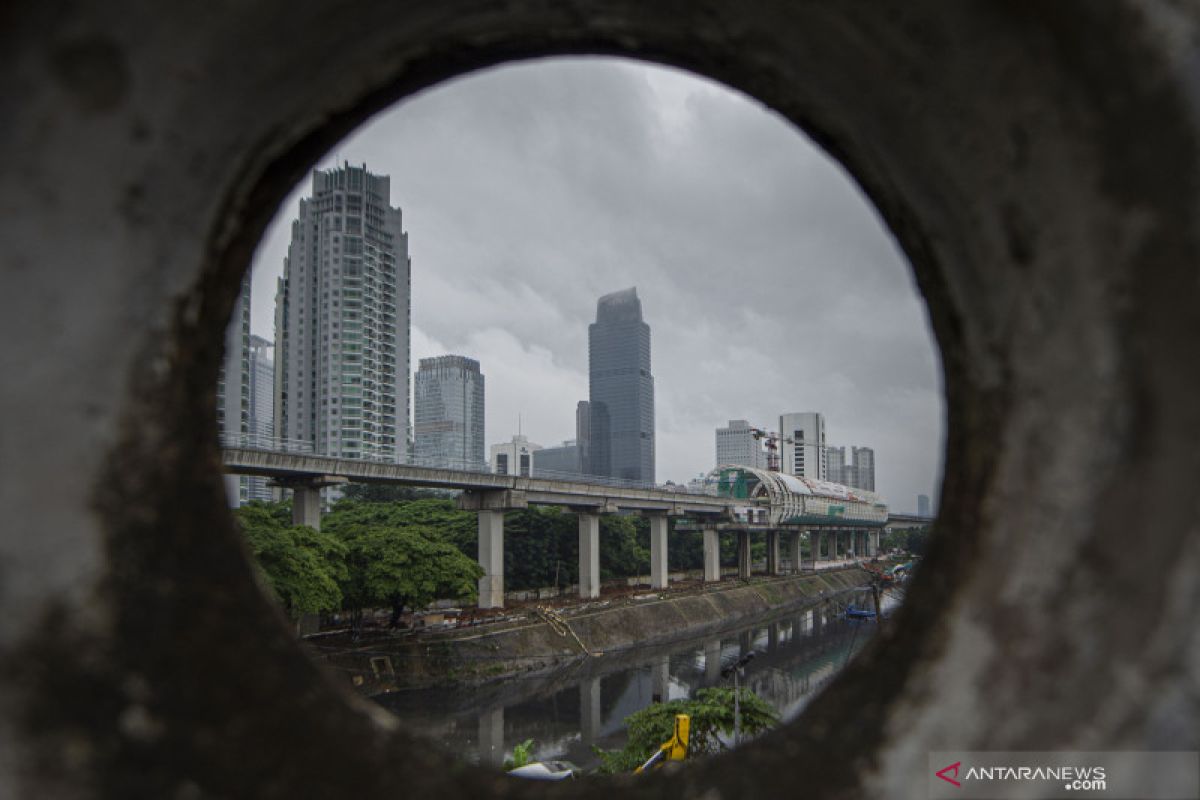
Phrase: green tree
[302,566]
[393,560]
[712,714]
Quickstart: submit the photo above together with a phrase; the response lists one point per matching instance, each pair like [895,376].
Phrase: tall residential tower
[342,321]
[621,390]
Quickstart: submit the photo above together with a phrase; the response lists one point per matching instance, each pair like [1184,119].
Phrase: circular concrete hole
[1037,164]
[787,203]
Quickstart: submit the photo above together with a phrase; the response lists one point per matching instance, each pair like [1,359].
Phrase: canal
[586,702]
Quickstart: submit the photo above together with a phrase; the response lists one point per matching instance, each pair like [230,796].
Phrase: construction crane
[771,440]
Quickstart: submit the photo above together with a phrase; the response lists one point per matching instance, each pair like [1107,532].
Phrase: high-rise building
[342,321]
[802,450]
[515,457]
[835,465]
[583,435]
[621,390]
[448,401]
[558,462]
[262,409]
[736,444]
[923,507]
[864,468]
[233,388]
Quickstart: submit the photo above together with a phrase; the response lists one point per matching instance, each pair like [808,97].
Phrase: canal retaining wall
[540,641]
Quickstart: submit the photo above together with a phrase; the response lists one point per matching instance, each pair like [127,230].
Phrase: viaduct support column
[658,551]
[773,553]
[712,555]
[794,552]
[306,505]
[491,558]
[743,554]
[829,538]
[306,497]
[589,556]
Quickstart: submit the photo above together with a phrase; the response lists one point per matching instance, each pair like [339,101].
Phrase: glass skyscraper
[621,390]
[448,414]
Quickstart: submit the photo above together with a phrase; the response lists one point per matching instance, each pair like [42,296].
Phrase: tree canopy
[302,566]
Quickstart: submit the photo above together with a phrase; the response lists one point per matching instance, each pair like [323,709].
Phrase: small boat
[859,613]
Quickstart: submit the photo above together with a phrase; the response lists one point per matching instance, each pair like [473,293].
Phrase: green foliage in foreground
[711,712]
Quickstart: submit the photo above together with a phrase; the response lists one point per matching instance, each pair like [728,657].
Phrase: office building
[621,390]
[563,461]
[923,507]
[342,322]
[515,457]
[835,465]
[802,450]
[448,401]
[864,468]
[736,444]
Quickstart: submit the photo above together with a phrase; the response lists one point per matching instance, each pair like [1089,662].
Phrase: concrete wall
[1038,163]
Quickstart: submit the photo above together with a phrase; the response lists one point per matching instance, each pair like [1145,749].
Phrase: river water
[585,703]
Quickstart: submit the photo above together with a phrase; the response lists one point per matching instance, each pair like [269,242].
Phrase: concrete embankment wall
[536,645]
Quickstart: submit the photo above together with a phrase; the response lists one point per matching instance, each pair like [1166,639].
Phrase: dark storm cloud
[768,281]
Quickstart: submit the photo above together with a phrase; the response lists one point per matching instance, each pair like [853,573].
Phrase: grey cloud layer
[767,279]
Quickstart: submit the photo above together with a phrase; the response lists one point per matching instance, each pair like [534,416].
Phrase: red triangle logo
[941,773]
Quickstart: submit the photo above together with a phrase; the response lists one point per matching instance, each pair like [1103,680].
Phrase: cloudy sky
[768,281]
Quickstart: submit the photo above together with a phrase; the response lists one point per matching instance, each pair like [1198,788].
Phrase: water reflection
[586,703]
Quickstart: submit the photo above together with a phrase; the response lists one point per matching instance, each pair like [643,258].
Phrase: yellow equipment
[674,749]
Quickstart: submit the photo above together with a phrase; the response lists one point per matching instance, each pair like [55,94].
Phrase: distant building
[835,465]
[564,461]
[448,401]
[583,435]
[621,389]
[233,388]
[262,410]
[515,457]
[864,468]
[802,451]
[923,507]
[736,445]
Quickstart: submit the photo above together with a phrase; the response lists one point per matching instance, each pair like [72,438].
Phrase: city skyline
[532,189]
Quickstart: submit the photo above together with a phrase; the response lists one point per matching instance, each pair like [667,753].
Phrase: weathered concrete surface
[1037,162]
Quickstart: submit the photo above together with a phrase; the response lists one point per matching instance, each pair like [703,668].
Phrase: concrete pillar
[658,551]
[589,555]
[589,711]
[712,661]
[491,737]
[743,553]
[745,642]
[816,619]
[873,545]
[794,552]
[829,541]
[772,637]
[773,553]
[712,555]
[660,679]
[491,558]
[306,506]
